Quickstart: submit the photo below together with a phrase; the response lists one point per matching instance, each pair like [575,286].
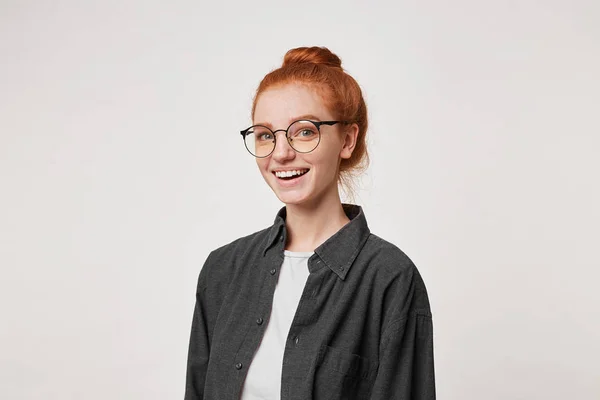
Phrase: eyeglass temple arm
[330,123]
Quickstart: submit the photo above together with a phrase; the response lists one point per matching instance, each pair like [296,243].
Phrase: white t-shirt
[263,381]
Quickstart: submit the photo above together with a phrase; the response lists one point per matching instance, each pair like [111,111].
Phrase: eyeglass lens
[303,136]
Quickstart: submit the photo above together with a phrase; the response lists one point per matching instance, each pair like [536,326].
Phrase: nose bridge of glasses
[280,145]
[285,134]
[279,130]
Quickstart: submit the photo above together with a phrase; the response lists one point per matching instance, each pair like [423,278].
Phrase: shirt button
[259,321]
[296,339]
[281,238]
[341,268]
[273,271]
[238,366]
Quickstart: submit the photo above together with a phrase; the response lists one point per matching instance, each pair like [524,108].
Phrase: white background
[121,167]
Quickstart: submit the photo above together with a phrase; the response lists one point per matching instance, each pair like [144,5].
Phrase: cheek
[263,167]
[328,157]
[332,147]
[262,164]
[325,167]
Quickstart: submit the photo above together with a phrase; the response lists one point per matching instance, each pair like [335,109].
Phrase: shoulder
[397,274]
[387,257]
[241,246]
[222,262]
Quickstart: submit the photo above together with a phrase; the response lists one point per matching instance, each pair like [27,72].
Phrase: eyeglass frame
[317,124]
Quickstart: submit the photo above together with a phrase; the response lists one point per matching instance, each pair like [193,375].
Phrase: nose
[283,151]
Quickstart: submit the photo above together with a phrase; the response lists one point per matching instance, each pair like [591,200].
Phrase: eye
[307,133]
[265,136]
[262,134]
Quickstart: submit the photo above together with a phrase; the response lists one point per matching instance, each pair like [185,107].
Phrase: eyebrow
[304,116]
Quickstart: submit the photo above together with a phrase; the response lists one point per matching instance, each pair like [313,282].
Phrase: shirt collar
[339,251]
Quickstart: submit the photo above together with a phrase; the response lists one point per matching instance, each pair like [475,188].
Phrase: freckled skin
[280,106]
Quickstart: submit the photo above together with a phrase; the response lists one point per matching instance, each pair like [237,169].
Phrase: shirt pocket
[340,374]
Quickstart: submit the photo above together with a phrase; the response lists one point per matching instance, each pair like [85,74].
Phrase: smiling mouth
[289,175]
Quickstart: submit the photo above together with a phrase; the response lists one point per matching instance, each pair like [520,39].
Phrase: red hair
[322,70]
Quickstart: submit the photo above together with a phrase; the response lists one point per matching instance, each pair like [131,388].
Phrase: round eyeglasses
[303,136]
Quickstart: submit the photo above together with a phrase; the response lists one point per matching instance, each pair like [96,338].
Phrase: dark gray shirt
[362,329]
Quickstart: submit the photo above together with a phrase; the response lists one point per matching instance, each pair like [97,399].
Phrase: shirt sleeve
[406,370]
[406,367]
[199,345]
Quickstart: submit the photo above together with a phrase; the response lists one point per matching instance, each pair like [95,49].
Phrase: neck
[308,226]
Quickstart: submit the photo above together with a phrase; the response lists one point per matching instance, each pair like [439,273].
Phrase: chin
[291,198]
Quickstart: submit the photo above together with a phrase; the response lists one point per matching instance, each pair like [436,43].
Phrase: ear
[350,135]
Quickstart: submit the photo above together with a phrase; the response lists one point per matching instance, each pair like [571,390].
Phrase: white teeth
[287,174]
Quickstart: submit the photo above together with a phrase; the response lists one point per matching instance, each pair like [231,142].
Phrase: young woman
[314,306]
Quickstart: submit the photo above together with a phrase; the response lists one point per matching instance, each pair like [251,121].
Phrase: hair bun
[312,55]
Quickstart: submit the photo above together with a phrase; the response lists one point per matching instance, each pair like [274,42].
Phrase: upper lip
[288,169]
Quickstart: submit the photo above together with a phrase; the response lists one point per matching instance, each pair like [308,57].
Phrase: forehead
[281,105]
